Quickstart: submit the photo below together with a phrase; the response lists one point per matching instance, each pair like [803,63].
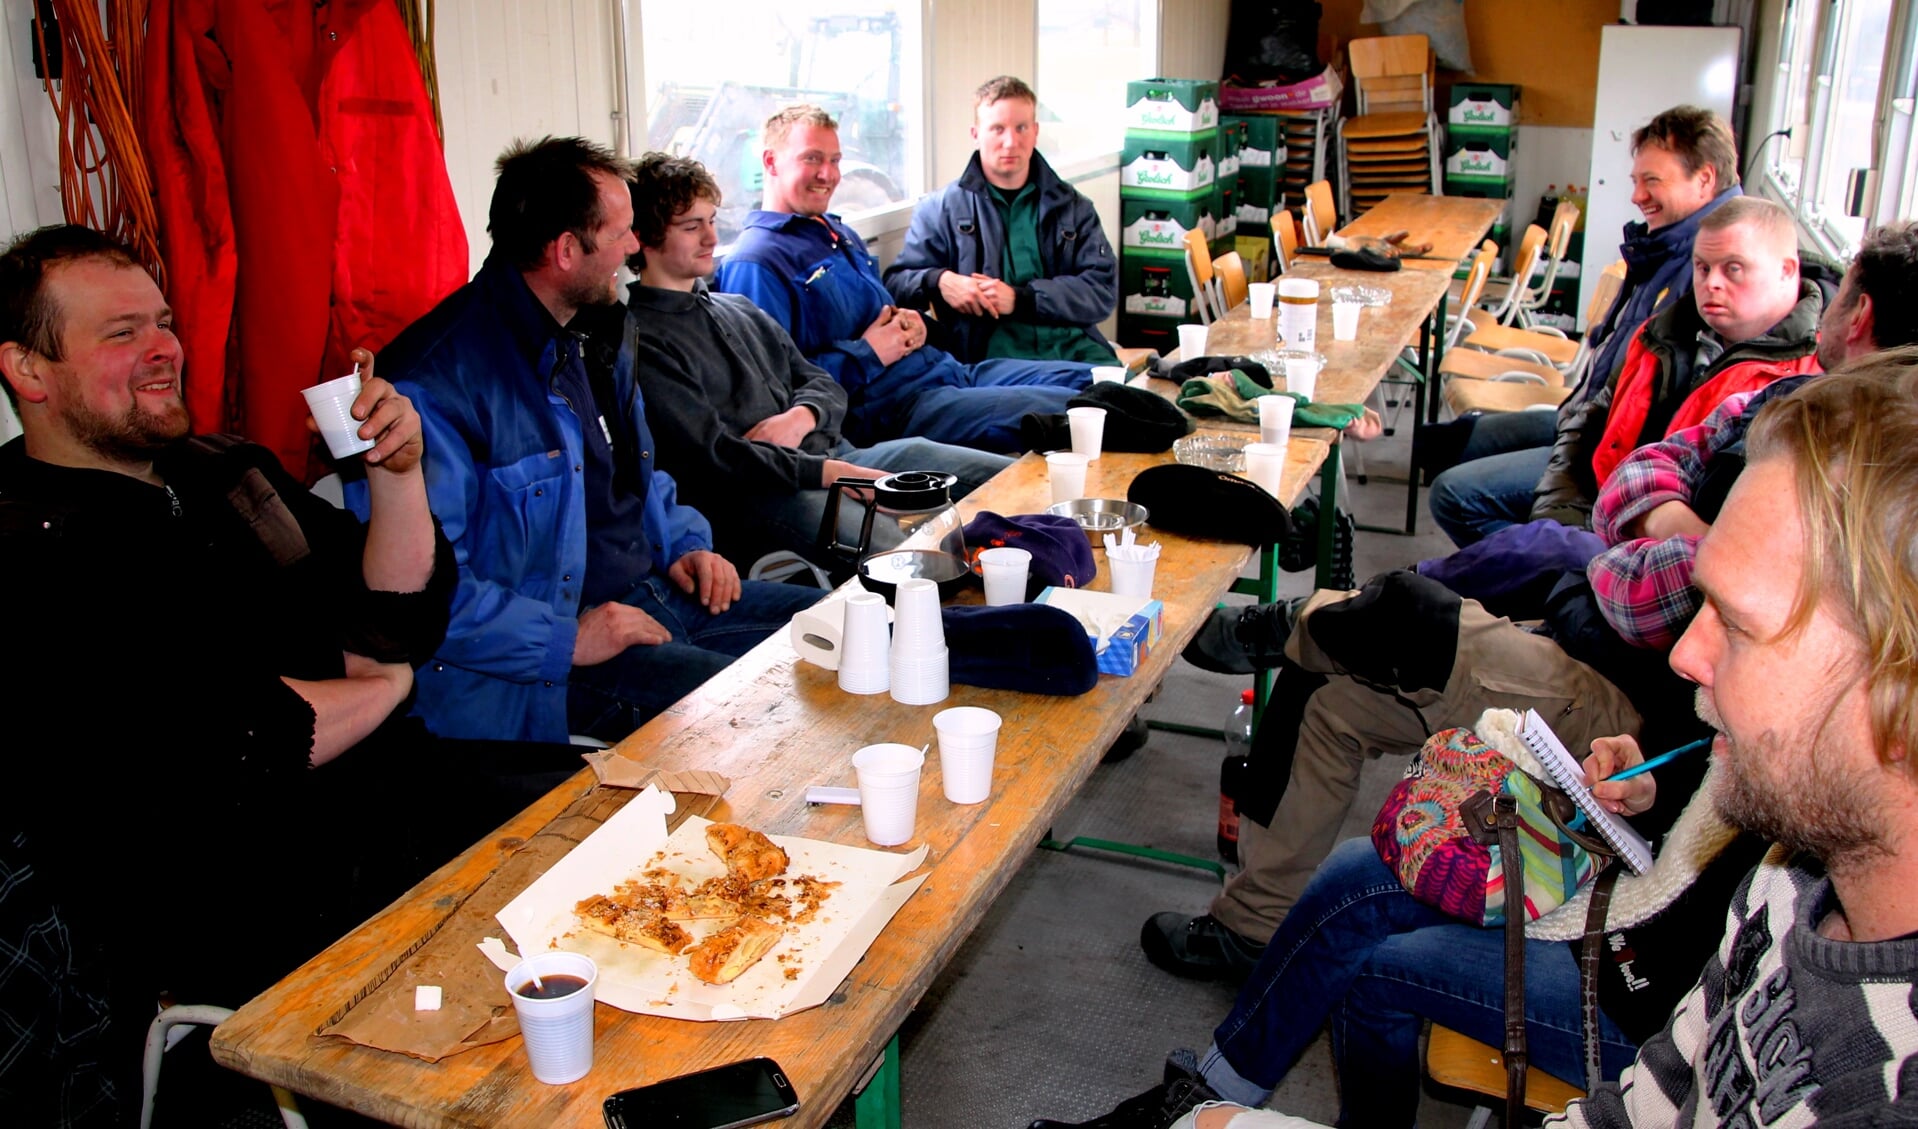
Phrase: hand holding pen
[1614,775]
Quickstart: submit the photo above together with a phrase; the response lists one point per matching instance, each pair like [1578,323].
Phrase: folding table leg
[876,1105]
[1329,474]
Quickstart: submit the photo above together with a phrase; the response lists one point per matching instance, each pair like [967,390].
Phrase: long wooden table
[1352,368]
[774,725]
[1453,225]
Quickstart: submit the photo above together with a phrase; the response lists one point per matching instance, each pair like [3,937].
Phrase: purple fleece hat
[1061,554]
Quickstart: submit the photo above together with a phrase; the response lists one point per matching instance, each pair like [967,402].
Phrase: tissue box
[1132,643]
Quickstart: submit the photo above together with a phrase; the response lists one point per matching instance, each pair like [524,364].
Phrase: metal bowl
[1213,452]
[1100,516]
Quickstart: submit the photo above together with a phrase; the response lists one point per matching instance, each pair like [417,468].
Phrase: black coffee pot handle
[829,542]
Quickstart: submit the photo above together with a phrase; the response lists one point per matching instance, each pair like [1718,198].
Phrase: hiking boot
[1130,740]
[1198,948]
[1242,639]
[1157,1108]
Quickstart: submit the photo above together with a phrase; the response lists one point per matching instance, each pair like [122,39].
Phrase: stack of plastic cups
[919,670]
[968,738]
[888,791]
[865,646]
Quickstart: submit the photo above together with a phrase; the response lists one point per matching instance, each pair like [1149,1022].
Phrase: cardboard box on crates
[1144,331]
[1261,140]
[1168,164]
[1156,284]
[1483,104]
[1172,105]
[1153,224]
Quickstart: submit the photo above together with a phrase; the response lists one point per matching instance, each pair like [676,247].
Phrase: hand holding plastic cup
[1088,430]
[1345,319]
[1005,570]
[968,738]
[553,996]
[332,406]
[1260,294]
[1275,419]
[888,790]
[1191,342]
[1066,470]
[1265,465]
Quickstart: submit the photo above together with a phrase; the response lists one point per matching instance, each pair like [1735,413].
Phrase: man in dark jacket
[816,278]
[1011,258]
[1684,165]
[747,425]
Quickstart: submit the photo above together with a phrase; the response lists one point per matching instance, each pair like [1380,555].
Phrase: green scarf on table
[1234,395]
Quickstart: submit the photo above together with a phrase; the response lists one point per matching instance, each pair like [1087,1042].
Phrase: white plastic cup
[1303,378]
[1299,312]
[1275,419]
[1101,374]
[1132,577]
[559,1031]
[1088,430]
[332,407]
[921,680]
[1191,342]
[888,790]
[968,738]
[1005,570]
[1066,470]
[1260,294]
[1345,319]
[865,646]
[1265,465]
[916,626]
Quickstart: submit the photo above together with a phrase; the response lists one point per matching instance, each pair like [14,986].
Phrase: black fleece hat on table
[1209,503]
[1136,420]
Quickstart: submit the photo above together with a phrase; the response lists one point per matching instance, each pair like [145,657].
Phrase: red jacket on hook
[303,200]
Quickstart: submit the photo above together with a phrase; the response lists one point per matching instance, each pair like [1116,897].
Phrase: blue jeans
[615,697]
[984,411]
[1492,485]
[1359,952]
[748,527]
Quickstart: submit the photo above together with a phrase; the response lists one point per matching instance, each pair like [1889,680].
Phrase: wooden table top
[1453,225]
[774,725]
[1352,368]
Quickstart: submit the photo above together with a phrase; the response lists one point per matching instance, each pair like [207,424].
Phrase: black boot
[1242,639]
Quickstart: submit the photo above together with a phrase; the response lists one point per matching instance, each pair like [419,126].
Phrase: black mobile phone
[725,1097]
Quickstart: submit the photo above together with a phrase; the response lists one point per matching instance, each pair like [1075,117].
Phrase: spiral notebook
[1567,774]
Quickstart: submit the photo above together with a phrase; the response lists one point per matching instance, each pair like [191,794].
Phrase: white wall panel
[1192,37]
[29,133]
[968,42]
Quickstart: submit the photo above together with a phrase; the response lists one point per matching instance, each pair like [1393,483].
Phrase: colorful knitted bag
[1431,832]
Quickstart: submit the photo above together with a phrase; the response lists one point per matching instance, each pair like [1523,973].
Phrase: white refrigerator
[1643,71]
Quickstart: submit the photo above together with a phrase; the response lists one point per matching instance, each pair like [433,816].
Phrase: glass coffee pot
[923,535]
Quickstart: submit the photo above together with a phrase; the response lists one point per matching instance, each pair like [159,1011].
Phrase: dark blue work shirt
[619,456]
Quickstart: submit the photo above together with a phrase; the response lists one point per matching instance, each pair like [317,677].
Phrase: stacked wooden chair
[1393,143]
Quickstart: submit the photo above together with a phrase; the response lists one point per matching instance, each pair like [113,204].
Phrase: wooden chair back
[1452,1059]
[1198,265]
[1610,281]
[1393,73]
[1471,292]
[1321,214]
[1232,281]
[1285,239]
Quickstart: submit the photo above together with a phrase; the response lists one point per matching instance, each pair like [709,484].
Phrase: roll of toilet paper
[815,632]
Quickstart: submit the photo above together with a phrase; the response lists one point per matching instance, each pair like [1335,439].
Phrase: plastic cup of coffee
[1345,319]
[1275,419]
[1191,341]
[1260,294]
[1066,470]
[1265,465]
[888,790]
[332,407]
[968,738]
[1088,430]
[1104,373]
[1005,570]
[555,1013]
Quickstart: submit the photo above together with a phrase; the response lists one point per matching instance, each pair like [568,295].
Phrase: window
[716,72]
[1831,64]
[1088,50]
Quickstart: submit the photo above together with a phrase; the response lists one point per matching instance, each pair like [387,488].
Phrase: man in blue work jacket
[589,599]
[1011,259]
[816,278]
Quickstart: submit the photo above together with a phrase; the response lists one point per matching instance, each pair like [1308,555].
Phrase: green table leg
[877,1106]
[1329,478]
[1216,870]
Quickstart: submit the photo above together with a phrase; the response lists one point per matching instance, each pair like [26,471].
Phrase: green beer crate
[1172,105]
[1261,141]
[1151,224]
[1138,331]
[1169,165]
[1483,105]
[1156,284]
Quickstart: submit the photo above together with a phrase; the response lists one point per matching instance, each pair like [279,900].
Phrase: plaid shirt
[1644,586]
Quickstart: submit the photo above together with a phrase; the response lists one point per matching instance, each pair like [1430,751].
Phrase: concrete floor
[1050,1009]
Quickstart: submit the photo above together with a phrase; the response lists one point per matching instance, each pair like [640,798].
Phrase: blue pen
[1578,821]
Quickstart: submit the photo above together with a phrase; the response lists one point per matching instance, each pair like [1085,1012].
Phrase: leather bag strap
[1590,953]
[1505,817]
